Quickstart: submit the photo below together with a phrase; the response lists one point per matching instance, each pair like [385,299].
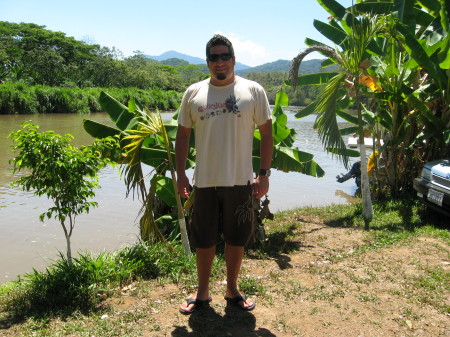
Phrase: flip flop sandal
[196,304]
[237,299]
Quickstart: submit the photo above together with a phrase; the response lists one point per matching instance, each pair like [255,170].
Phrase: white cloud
[247,52]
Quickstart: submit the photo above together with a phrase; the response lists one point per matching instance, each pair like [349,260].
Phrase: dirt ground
[325,288]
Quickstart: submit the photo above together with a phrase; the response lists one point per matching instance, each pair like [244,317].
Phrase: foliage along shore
[17,98]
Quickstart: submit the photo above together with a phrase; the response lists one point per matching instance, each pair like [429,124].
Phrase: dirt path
[326,288]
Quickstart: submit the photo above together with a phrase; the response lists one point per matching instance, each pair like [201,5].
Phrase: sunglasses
[216,57]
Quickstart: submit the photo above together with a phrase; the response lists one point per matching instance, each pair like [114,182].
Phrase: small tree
[65,174]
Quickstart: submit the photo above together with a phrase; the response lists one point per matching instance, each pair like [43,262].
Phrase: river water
[27,243]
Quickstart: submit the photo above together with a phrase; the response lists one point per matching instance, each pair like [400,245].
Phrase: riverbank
[319,273]
[21,99]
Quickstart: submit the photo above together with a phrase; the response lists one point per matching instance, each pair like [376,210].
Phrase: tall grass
[63,289]
[18,98]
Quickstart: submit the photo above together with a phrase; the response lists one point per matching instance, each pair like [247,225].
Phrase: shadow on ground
[207,322]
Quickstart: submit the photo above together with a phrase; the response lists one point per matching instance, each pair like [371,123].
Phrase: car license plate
[435,197]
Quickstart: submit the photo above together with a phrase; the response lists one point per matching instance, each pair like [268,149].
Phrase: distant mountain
[306,67]
[173,54]
[191,59]
[280,66]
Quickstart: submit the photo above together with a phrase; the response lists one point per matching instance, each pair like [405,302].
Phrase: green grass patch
[251,286]
[394,221]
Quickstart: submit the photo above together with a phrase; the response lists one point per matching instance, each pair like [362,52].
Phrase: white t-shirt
[224,118]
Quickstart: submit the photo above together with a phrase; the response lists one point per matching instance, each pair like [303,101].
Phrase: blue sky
[261,30]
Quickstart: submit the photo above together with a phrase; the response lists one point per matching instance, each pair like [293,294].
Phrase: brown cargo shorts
[222,210]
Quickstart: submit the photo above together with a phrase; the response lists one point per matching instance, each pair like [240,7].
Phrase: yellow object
[371,162]
[370,82]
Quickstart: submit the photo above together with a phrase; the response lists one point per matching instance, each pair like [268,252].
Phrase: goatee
[221,77]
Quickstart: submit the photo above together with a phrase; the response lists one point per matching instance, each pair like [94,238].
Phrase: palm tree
[352,59]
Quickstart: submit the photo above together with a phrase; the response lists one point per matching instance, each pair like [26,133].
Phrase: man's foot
[191,304]
[242,302]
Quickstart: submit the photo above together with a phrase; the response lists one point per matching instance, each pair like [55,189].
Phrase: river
[27,243]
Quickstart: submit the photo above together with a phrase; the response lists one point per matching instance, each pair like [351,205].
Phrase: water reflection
[27,243]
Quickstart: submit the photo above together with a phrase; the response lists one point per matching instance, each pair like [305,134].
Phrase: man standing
[223,110]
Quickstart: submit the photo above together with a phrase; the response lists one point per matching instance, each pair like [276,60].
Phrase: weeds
[251,286]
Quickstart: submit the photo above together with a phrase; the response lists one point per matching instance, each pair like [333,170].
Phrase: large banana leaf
[155,157]
[380,8]
[293,160]
[333,7]
[99,130]
[417,51]
[280,129]
[164,189]
[119,113]
[313,169]
[311,42]
[281,99]
[285,158]
[331,32]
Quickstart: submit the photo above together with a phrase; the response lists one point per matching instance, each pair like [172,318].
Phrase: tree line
[33,55]
[41,60]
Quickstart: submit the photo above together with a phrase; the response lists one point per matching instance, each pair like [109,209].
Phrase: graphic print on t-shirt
[229,106]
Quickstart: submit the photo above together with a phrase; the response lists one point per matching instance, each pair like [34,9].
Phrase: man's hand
[181,153]
[183,186]
[261,186]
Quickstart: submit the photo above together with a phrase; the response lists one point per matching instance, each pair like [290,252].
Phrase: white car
[433,185]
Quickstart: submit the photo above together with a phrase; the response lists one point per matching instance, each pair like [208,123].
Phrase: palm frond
[326,122]
[149,125]
[330,52]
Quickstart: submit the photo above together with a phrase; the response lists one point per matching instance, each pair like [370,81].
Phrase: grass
[65,301]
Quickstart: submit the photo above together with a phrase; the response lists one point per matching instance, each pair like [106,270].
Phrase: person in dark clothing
[355,172]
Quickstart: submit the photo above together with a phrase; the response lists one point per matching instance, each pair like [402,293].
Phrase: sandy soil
[323,288]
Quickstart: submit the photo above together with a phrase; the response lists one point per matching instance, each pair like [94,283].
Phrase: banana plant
[412,103]
[152,127]
[144,140]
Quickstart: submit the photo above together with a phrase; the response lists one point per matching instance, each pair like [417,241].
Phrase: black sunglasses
[223,57]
